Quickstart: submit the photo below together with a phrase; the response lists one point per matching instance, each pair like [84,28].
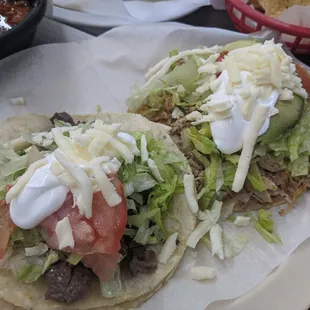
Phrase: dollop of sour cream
[47,189]
[228,134]
[41,197]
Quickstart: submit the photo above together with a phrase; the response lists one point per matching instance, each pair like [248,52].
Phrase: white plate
[137,12]
[287,288]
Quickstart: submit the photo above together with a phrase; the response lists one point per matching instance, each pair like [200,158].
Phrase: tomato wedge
[6,227]
[305,77]
[97,238]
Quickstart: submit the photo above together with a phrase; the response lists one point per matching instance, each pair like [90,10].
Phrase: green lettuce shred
[138,219]
[28,269]
[264,225]
[214,180]
[300,166]
[202,143]
[255,178]
[25,238]
[113,287]
[74,258]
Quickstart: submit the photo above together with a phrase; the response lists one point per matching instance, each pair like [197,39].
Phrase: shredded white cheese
[64,234]
[85,185]
[66,146]
[201,229]
[259,117]
[168,248]
[194,116]
[23,180]
[154,169]
[107,188]
[201,273]
[144,151]
[190,193]
[163,66]
[216,238]
[242,221]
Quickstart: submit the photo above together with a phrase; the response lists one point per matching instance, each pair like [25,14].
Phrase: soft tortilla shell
[137,290]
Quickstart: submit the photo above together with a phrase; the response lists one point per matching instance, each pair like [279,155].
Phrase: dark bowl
[21,36]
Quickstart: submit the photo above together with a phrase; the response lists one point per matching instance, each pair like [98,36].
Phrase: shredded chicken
[282,187]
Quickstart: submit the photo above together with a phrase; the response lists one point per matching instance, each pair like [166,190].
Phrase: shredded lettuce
[300,166]
[161,197]
[233,245]
[14,166]
[60,123]
[229,171]
[269,237]
[113,287]
[141,188]
[214,173]
[214,180]
[294,142]
[280,145]
[201,158]
[39,249]
[142,182]
[144,233]
[255,178]
[138,198]
[174,52]
[131,205]
[185,74]
[130,232]
[7,153]
[138,219]
[264,225]
[205,130]
[233,158]
[26,238]
[74,258]
[215,211]
[28,269]
[231,218]
[202,143]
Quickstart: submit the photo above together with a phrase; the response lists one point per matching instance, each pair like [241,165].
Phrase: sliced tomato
[6,227]
[97,238]
[305,77]
[102,265]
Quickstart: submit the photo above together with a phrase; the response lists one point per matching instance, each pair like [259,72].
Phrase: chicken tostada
[240,115]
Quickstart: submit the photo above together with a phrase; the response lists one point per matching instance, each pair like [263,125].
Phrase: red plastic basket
[246,19]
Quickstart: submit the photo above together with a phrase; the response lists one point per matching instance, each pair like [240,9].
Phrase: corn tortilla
[16,295]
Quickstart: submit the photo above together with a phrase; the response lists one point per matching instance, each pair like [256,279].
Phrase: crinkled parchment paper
[77,77]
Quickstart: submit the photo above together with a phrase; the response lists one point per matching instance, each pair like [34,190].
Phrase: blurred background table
[203,17]
[208,17]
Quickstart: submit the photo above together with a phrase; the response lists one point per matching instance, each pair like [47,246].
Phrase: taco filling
[88,201]
[240,115]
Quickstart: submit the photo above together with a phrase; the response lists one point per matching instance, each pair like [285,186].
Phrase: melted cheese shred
[81,165]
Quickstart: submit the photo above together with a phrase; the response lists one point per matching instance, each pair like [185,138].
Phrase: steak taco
[240,115]
[92,211]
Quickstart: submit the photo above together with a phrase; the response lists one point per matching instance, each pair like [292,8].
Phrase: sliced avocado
[238,44]
[288,116]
